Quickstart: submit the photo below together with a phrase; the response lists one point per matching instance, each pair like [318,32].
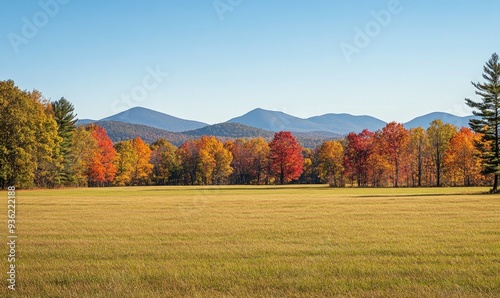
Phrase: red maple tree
[394,141]
[357,156]
[287,162]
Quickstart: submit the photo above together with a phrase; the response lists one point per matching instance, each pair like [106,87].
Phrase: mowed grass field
[292,241]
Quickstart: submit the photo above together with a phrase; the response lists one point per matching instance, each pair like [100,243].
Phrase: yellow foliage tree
[142,166]
[331,159]
[124,162]
[214,161]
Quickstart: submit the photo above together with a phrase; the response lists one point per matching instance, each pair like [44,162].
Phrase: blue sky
[212,65]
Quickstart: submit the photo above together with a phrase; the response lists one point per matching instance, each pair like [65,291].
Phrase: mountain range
[151,125]
[334,123]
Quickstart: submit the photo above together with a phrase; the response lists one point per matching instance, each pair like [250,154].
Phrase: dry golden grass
[296,241]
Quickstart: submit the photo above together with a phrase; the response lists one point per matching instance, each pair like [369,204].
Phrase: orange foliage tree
[102,169]
[461,159]
[142,167]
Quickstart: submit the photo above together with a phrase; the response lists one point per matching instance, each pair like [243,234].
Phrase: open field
[256,241]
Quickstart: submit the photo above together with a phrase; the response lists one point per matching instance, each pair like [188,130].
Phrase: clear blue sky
[281,55]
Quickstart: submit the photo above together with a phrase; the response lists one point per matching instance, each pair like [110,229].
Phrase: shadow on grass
[247,187]
[422,195]
[412,192]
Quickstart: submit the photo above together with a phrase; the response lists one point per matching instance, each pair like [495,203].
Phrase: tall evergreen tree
[488,109]
[66,119]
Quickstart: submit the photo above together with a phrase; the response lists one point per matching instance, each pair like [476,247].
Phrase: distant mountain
[311,132]
[335,123]
[345,123]
[425,120]
[120,131]
[275,121]
[155,119]
[230,130]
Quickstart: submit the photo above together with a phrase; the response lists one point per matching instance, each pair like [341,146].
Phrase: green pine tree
[488,109]
[63,114]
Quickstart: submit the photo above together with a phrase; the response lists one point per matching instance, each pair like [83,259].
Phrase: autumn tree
[378,163]
[488,109]
[309,173]
[48,158]
[417,149]
[102,169]
[142,168]
[394,140]
[259,161]
[359,148]
[133,162]
[189,153]
[125,161]
[166,162]
[461,158]
[331,163]
[214,160]
[65,118]
[205,161]
[29,143]
[286,158]
[242,159]
[84,149]
[439,136]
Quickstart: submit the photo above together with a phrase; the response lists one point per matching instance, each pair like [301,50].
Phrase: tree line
[41,146]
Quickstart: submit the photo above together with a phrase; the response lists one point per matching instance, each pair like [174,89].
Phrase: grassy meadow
[294,241]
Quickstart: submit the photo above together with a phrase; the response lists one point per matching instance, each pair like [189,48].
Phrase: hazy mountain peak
[424,120]
[152,118]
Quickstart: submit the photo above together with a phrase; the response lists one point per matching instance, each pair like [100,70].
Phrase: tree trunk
[495,184]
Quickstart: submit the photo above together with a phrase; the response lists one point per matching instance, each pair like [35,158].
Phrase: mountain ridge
[152,118]
[424,120]
[120,131]
[255,123]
